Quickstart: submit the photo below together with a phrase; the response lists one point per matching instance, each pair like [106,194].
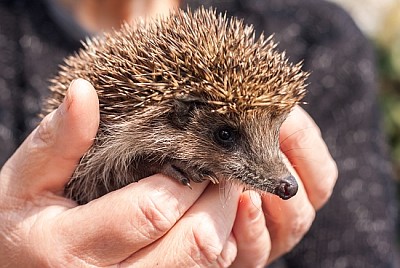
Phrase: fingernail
[255,210]
[67,98]
[64,106]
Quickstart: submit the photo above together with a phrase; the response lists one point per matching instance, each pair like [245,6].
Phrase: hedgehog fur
[170,90]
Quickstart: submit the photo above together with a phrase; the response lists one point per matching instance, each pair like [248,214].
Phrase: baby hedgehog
[194,96]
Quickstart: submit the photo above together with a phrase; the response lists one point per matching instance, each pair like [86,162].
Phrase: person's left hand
[267,227]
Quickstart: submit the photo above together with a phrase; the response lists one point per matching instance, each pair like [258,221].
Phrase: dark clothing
[357,227]
[31,48]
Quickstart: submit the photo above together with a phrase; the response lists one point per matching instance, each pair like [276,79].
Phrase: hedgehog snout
[287,187]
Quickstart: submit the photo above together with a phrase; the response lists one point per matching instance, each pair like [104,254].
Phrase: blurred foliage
[390,102]
[388,46]
[388,40]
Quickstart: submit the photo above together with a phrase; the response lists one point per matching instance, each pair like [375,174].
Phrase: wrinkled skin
[169,225]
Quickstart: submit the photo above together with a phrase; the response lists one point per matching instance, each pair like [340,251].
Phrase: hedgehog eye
[225,136]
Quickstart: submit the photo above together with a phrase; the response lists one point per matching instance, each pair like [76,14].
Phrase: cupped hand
[154,221]
[268,228]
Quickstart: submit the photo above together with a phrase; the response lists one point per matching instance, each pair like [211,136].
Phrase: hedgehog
[193,95]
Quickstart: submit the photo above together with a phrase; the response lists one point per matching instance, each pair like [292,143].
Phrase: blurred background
[380,21]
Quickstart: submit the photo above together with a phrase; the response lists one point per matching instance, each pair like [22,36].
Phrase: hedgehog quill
[194,96]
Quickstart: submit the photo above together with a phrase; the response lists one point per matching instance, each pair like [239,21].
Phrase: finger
[287,220]
[198,238]
[228,254]
[108,230]
[301,142]
[251,234]
[47,158]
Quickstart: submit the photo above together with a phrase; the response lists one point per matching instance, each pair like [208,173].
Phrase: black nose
[287,188]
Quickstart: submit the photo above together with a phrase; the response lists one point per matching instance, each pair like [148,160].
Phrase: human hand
[268,227]
[153,221]
[38,227]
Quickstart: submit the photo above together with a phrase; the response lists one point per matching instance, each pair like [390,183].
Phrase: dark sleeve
[9,73]
[357,227]
[31,47]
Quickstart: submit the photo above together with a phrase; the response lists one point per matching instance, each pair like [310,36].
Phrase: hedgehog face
[243,147]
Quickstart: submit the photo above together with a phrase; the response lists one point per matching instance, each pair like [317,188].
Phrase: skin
[170,225]
[96,16]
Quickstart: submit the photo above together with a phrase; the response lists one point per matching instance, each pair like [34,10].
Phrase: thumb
[47,158]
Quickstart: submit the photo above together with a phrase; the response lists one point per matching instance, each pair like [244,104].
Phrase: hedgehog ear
[182,112]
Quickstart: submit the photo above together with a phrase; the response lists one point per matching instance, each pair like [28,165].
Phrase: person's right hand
[154,221]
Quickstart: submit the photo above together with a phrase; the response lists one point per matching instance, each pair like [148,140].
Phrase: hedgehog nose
[287,188]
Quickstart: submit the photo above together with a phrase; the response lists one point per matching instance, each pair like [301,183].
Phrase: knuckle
[228,254]
[303,223]
[321,196]
[45,134]
[224,261]
[298,228]
[325,188]
[307,121]
[304,138]
[157,221]
[204,248]
[333,172]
